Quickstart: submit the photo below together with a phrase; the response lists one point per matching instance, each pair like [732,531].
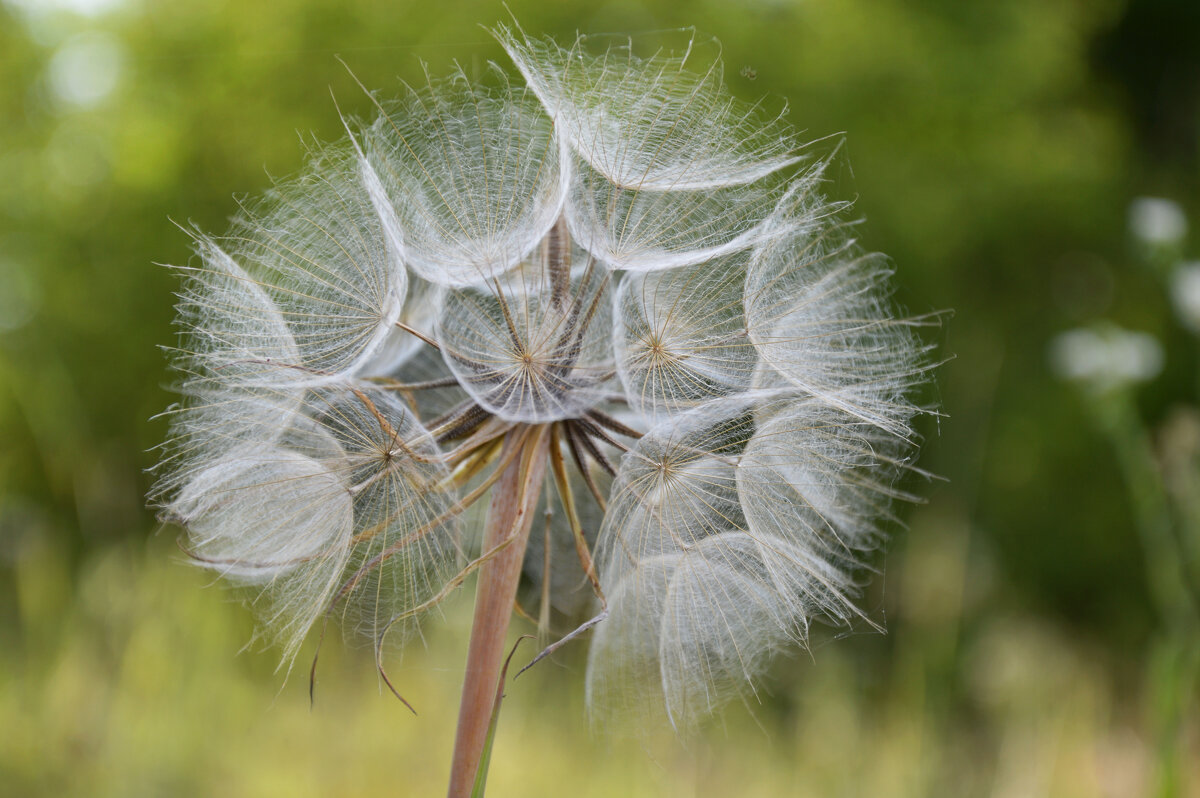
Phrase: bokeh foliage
[993,148]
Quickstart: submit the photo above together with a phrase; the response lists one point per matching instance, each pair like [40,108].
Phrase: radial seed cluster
[613,248]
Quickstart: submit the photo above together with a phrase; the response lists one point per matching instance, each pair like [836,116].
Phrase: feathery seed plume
[611,278]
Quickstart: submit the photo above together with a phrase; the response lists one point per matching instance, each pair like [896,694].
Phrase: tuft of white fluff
[617,239]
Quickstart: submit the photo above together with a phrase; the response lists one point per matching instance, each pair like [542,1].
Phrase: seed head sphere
[611,259]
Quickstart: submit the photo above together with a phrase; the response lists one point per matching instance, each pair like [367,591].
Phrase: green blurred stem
[1163,552]
[1175,655]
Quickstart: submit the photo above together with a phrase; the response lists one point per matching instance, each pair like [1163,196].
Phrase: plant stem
[514,499]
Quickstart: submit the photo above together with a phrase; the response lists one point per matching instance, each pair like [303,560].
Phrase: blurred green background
[1040,607]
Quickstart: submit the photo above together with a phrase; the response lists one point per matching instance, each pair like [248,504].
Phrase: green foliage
[996,159]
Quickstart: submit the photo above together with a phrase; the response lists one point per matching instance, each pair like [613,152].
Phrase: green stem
[1165,561]
[1175,657]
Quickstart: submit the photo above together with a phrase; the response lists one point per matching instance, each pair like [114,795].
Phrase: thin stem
[462,425]
[558,262]
[608,422]
[558,467]
[427,385]
[543,619]
[514,499]
[419,334]
[1165,562]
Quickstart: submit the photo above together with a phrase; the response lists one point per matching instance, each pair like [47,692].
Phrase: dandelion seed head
[612,249]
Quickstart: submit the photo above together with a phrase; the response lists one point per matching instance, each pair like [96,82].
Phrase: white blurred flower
[87,8]
[1185,293]
[615,267]
[86,69]
[1106,356]
[1154,220]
